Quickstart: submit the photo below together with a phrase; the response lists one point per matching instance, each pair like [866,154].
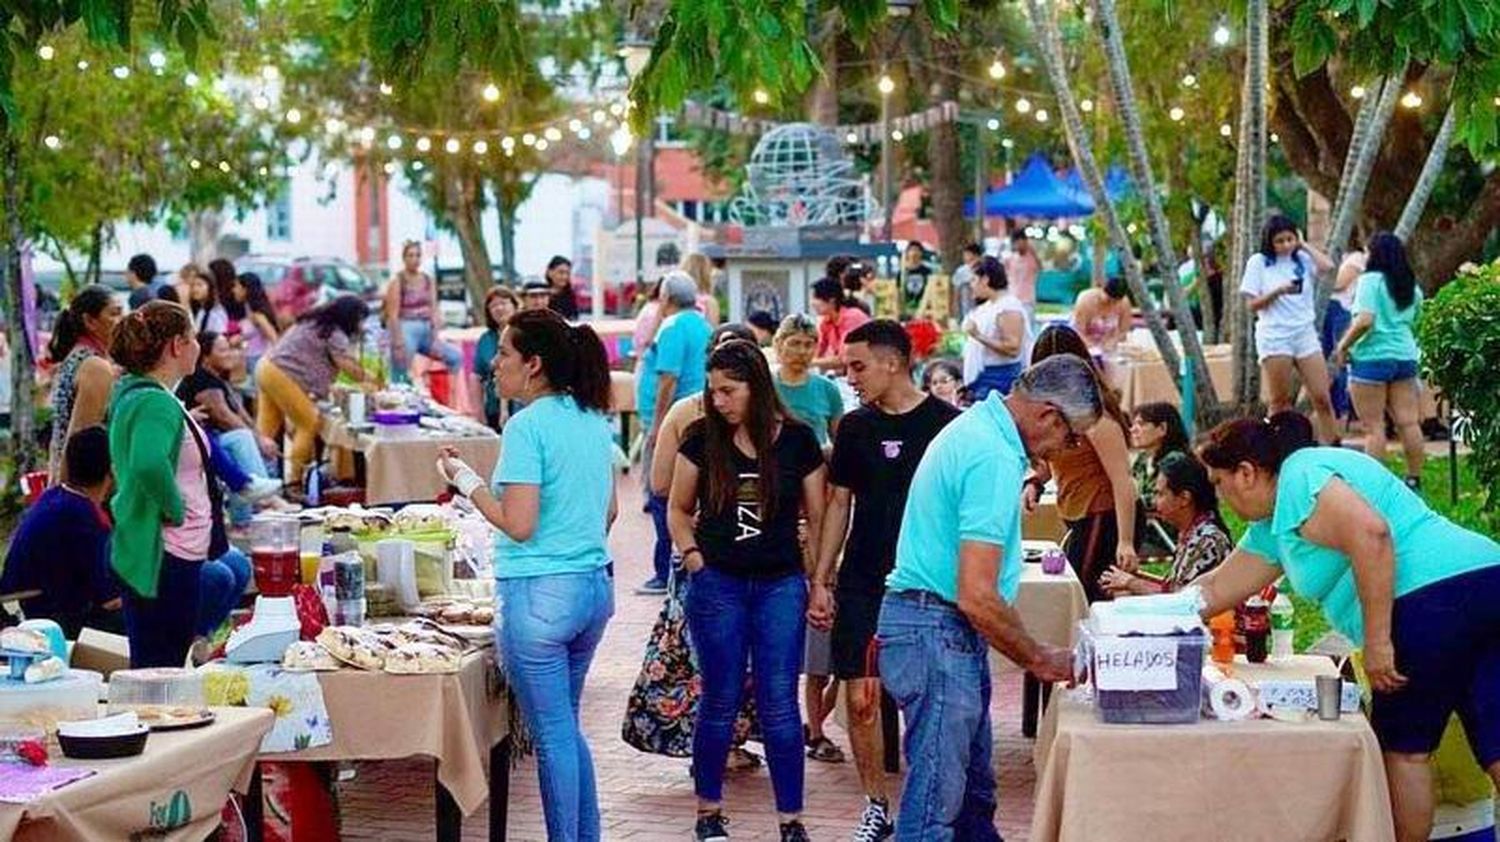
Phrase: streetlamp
[886,86]
[635,51]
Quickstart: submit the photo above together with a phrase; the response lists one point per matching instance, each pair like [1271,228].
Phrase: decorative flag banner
[703,116]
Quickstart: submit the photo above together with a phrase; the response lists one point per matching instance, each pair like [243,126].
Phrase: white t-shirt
[1289,314]
[986,317]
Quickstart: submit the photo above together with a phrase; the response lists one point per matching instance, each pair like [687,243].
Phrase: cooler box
[1145,669]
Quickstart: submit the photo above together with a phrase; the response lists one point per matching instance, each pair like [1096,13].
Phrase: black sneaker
[875,825]
[793,831]
[710,827]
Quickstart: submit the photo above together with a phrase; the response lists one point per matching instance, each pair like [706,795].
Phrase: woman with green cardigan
[166,505]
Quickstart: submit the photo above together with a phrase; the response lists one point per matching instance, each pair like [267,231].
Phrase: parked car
[49,284]
[296,284]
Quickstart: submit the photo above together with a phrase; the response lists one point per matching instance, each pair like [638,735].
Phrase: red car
[295,285]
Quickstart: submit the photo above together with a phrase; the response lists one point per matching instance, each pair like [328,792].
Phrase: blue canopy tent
[1035,191]
[1116,182]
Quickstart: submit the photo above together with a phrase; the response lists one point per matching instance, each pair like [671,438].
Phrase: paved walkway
[646,797]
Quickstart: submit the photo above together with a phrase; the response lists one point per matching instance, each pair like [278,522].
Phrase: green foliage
[1459,333]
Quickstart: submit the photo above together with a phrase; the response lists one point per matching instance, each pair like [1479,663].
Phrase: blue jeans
[994,378]
[161,629]
[221,583]
[934,664]
[420,338]
[661,558]
[242,450]
[732,618]
[1335,325]
[225,466]
[549,628]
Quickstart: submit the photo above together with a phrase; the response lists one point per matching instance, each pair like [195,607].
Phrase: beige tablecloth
[622,391]
[452,718]
[404,470]
[143,795]
[1043,524]
[1050,606]
[1252,780]
[1142,377]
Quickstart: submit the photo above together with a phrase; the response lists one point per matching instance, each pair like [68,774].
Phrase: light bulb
[1411,100]
[1190,81]
[452,146]
[83,65]
[260,102]
[993,125]
[386,90]
[585,133]
[1086,106]
[760,97]
[191,80]
[528,139]
[333,125]
[1041,115]
[390,168]
[898,135]
[1023,105]
[597,116]
[851,138]
[52,141]
[507,142]
[541,145]
[195,164]
[157,59]
[1221,35]
[886,85]
[1225,130]
[224,167]
[481,147]
[293,116]
[424,144]
[270,73]
[393,142]
[491,93]
[417,166]
[367,135]
[45,52]
[1008,143]
[121,72]
[1357,92]
[997,70]
[1176,114]
[553,134]
[575,125]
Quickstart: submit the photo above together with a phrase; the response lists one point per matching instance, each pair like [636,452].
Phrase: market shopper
[837,314]
[85,374]
[997,333]
[811,396]
[252,317]
[413,318]
[1156,432]
[743,475]
[943,379]
[1022,268]
[300,369]
[140,276]
[167,508]
[500,303]
[875,454]
[701,269]
[1419,594]
[229,425]
[950,596]
[1383,353]
[914,275]
[552,499]
[1103,317]
[203,299]
[1096,496]
[562,300]
[1280,287]
[1185,501]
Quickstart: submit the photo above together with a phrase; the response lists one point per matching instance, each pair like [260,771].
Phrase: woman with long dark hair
[1096,496]
[838,314]
[744,474]
[1186,501]
[249,305]
[84,375]
[300,369]
[997,333]
[1280,287]
[1416,592]
[1383,352]
[203,298]
[1156,431]
[552,499]
[167,508]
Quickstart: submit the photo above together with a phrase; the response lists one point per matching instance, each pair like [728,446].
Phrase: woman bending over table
[553,500]
[1418,593]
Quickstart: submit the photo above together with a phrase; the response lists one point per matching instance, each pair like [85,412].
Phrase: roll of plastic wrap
[1224,698]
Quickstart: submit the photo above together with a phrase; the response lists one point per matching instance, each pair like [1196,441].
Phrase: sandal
[823,750]
[742,760]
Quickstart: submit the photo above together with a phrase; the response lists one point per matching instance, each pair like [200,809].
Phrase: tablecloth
[1050,606]
[1252,780]
[1044,523]
[453,718]
[404,470]
[173,791]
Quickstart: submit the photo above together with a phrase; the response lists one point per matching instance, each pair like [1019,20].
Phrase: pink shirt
[646,323]
[190,541]
[831,332]
[1021,271]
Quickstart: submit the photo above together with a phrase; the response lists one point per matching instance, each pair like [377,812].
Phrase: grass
[1466,512]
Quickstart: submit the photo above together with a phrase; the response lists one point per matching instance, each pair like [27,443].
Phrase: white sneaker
[260,488]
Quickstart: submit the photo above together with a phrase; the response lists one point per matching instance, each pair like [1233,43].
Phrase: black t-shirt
[739,540]
[875,456]
[203,380]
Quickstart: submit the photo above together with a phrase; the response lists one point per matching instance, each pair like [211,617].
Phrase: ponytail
[591,385]
[1264,443]
[144,334]
[573,358]
[70,328]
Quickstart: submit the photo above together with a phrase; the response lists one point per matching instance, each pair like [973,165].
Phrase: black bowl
[104,748]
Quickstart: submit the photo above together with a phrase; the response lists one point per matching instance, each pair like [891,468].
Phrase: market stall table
[402,470]
[183,776]
[1043,523]
[1250,780]
[461,720]
[1050,608]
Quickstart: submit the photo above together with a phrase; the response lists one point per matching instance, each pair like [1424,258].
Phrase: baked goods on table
[453,611]
[421,659]
[308,656]
[29,641]
[355,647]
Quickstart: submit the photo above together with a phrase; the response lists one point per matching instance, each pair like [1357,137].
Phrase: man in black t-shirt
[875,454]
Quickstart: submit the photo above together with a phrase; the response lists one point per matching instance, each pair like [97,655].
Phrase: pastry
[45,670]
[457,614]
[353,646]
[482,616]
[29,641]
[305,656]
[421,658]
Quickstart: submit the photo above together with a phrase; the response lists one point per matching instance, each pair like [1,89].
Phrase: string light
[1358,92]
[394,142]
[1176,114]
[52,141]
[1221,35]
[1086,106]
[191,80]
[195,164]
[997,70]
[598,116]
[541,145]
[553,135]
[83,65]
[1275,138]
[851,138]
[507,143]
[1225,130]
[1008,143]
[528,139]
[452,146]
[480,147]
[270,73]
[575,125]
[367,135]
[386,90]
[898,135]
[1190,81]
[1411,100]
[390,168]
[417,166]
[157,59]
[616,109]
[1023,105]
[333,125]
[424,144]
[121,72]
[993,125]
[224,167]
[45,52]
[760,96]
[265,171]
[886,85]
[585,133]
[261,102]
[293,116]
[1041,115]
[491,93]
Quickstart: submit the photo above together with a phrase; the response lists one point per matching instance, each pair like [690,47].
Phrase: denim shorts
[1382,371]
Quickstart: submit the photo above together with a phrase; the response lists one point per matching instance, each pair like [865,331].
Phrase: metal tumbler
[1330,697]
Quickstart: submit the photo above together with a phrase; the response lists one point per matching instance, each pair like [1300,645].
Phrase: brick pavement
[646,797]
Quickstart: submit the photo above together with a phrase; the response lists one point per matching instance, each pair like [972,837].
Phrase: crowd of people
[878,548]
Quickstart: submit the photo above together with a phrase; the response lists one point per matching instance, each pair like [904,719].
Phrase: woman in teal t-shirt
[1418,593]
[811,396]
[1383,352]
[552,500]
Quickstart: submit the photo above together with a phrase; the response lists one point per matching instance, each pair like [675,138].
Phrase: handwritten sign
[1135,663]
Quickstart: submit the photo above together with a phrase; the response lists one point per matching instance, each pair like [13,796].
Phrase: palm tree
[1049,39]
[1433,167]
[1156,219]
[1251,199]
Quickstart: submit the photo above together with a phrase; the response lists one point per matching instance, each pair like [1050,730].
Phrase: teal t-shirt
[1429,547]
[485,351]
[967,488]
[1390,337]
[816,402]
[569,453]
[680,349]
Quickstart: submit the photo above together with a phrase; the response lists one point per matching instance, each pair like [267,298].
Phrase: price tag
[1135,663]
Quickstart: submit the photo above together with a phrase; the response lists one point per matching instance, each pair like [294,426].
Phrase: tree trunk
[506,213]
[204,227]
[1049,39]
[464,207]
[1156,218]
[1431,169]
[1251,198]
[945,183]
[94,271]
[23,445]
[823,98]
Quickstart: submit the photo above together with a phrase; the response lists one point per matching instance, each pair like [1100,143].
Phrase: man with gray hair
[673,366]
[949,597]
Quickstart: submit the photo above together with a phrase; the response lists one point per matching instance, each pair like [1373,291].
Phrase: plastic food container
[275,548]
[397,424]
[161,687]
[1146,678]
[73,696]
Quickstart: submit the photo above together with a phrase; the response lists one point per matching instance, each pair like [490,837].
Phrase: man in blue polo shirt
[949,598]
[673,367]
